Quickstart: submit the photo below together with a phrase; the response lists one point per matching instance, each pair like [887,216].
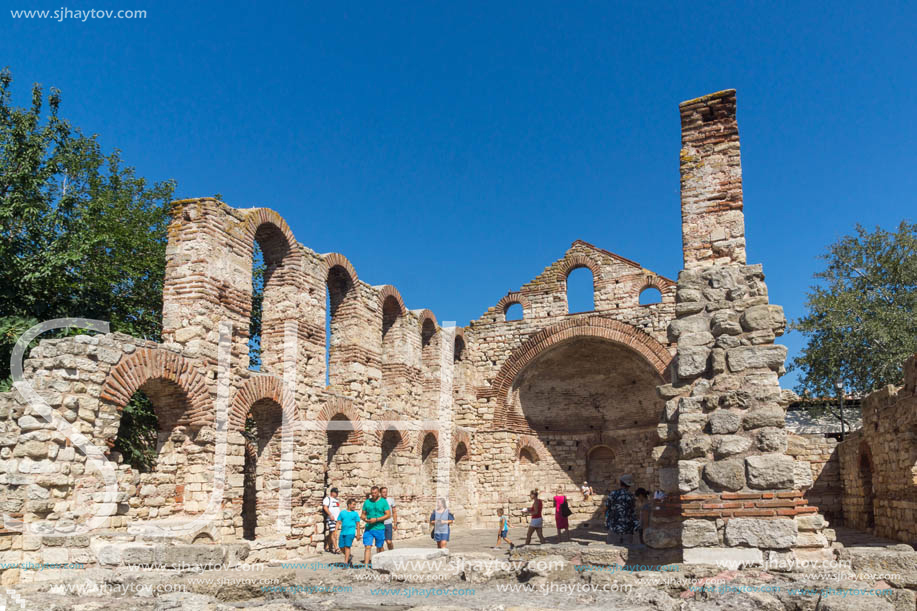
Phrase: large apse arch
[584,385]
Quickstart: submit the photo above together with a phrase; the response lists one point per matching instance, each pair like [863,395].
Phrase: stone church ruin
[682,393]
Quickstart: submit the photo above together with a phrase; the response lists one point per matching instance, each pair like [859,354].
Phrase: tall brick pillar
[733,493]
[713,225]
[208,279]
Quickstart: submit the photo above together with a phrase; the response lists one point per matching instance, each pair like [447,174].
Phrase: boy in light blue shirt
[349,526]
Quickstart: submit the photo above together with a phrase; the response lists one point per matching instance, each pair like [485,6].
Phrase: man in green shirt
[375,511]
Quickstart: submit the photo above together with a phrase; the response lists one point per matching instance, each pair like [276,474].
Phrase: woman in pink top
[563,526]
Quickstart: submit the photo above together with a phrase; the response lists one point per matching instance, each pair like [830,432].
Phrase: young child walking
[349,527]
[504,529]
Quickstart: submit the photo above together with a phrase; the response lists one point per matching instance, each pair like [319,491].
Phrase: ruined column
[712,222]
[734,492]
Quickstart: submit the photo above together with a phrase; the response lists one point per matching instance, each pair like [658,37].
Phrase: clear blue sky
[454,151]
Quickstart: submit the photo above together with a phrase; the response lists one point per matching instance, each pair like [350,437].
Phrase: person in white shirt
[391,524]
[331,507]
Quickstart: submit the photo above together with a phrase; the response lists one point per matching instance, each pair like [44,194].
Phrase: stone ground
[478,577]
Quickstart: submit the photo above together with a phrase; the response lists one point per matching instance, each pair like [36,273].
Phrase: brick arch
[421,437]
[460,436]
[612,330]
[405,441]
[532,443]
[463,457]
[336,259]
[597,440]
[341,406]
[656,282]
[266,226]
[145,364]
[387,291]
[663,285]
[513,298]
[577,261]
[255,389]
[425,315]
[459,337]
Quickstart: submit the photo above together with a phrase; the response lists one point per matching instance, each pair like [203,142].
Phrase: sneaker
[512,546]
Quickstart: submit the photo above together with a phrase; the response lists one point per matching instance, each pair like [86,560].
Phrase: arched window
[513,311]
[390,440]
[391,313]
[428,346]
[650,295]
[428,453]
[261,469]
[273,270]
[580,291]
[461,451]
[338,434]
[459,350]
[340,295]
[254,322]
[138,432]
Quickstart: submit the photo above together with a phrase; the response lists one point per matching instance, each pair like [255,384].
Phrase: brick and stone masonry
[682,393]
[879,463]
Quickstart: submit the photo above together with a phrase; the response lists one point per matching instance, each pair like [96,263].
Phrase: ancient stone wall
[879,463]
[559,395]
[825,490]
[683,394]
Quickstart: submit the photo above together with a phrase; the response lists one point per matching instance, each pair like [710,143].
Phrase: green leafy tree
[80,234]
[862,316]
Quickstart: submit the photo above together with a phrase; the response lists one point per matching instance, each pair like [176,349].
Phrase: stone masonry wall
[826,487]
[683,394]
[725,445]
[499,353]
[879,463]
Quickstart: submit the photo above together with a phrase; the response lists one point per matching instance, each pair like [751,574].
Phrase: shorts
[346,540]
[388,532]
[503,533]
[536,523]
[374,537]
[440,536]
[330,525]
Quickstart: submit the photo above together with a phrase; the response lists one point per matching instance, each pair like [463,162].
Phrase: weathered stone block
[776,533]
[694,445]
[699,533]
[691,423]
[763,416]
[717,555]
[688,475]
[802,475]
[811,521]
[763,317]
[725,322]
[730,445]
[726,474]
[722,422]
[692,361]
[770,439]
[770,471]
[756,357]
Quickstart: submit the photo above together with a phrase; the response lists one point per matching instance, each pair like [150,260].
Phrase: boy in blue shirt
[504,530]
[349,526]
